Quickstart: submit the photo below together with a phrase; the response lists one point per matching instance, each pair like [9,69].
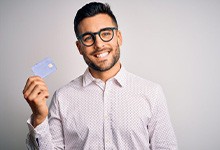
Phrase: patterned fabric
[126,113]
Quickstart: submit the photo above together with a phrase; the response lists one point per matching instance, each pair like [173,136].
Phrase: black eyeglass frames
[89,38]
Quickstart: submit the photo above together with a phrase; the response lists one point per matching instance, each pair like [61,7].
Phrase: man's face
[101,56]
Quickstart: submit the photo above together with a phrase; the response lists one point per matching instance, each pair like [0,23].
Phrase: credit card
[44,67]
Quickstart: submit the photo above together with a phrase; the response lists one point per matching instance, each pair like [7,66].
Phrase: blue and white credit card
[44,68]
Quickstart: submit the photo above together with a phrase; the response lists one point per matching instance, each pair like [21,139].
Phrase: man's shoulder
[74,84]
[141,81]
[145,86]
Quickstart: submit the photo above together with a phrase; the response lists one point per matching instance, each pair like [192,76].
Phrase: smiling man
[100,50]
[105,108]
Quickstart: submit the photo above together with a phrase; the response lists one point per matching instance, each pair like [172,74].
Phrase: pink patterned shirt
[126,113]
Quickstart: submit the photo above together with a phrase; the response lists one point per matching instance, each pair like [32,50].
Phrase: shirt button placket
[107,123]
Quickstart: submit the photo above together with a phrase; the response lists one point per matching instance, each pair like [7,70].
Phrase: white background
[174,43]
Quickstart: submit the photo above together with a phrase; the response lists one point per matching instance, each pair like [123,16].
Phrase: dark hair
[92,9]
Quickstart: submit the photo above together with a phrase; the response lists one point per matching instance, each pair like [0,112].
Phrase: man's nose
[98,41]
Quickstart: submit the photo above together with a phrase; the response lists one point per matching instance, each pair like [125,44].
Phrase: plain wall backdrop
[173,43]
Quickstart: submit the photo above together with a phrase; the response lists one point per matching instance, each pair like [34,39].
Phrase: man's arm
[161,132]
[44,133]
[36,93]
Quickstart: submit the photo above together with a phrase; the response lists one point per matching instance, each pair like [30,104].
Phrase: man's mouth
[102,55]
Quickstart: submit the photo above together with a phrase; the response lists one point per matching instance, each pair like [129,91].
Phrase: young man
[105,108]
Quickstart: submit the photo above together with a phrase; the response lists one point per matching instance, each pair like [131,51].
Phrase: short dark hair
[92,9]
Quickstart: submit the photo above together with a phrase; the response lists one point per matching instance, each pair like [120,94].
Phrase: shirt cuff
[40,130]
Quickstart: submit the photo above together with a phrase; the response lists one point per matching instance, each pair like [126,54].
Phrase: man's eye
[106,33]
[87,38]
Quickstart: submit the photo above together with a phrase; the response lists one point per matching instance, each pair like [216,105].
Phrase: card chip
[44,68]
[50,65]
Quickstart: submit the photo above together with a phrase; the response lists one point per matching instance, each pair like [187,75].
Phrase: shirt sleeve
[161,132]
[49,134]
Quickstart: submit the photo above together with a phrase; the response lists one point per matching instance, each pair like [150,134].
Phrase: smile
[102,55]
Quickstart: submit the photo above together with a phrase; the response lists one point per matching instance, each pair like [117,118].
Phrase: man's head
[99,39]
[90,10]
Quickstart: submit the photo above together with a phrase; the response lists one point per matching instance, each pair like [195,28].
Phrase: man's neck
[105,75]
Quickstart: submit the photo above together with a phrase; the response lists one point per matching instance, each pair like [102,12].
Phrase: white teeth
[102,55]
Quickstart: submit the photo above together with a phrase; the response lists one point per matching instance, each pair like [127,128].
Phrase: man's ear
[79,46]
[119,37]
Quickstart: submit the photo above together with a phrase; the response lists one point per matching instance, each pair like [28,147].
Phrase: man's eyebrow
[86,32]
[98,30]
[90,32]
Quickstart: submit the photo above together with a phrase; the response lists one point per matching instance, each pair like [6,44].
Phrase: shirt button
[106,116]
[107,141]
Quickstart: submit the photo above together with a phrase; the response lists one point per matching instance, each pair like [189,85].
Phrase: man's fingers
[37,90]
[36,85]
[31,80]
[43,95]
[40,98]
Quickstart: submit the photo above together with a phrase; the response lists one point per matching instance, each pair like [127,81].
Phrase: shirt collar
[87,78]
[120,77]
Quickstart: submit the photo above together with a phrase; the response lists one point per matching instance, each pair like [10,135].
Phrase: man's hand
[36,93]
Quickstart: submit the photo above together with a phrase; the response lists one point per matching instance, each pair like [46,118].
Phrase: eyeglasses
[89,38]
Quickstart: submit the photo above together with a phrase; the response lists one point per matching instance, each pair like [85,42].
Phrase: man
[105,108]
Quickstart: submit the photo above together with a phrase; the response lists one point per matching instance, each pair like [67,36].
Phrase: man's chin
[99,68]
